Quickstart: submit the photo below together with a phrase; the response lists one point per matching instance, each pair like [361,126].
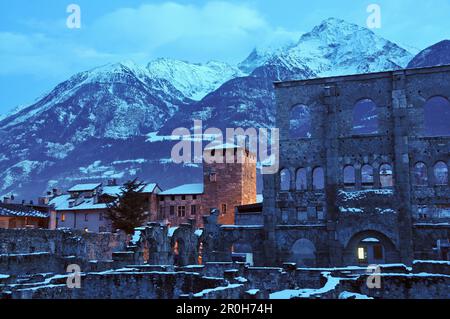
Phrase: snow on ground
[352,295]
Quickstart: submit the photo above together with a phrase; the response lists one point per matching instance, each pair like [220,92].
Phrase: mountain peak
[437,54]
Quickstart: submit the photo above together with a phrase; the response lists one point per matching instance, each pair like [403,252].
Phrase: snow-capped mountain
[336,47]
[438,54]
[193,80]
[97,124]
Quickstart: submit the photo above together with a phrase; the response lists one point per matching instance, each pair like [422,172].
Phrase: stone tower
[229,179]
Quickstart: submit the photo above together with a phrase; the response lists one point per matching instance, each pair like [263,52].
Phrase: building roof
[117,190]
[84,187]
[62,203]
[222,146]
[16,210]
[187,189]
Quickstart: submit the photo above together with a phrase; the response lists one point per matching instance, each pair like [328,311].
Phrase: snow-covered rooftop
[187,189]
[62,203]
[84,187]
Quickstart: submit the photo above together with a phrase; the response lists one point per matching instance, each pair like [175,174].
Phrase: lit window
[63,217]
[181,211]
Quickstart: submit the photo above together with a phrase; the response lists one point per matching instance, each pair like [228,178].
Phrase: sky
[38,50]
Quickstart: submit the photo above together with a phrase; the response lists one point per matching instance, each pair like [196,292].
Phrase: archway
[303,253]
[369,248]
[437,116]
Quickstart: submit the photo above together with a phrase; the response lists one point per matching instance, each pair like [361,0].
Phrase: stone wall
[89,246]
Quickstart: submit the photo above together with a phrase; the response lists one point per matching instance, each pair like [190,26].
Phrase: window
[349,176]
[320,213]
[367,176]
[441,173]
[181,211]
[86,217]
[63,217]
[420,174]
[213,177]
[172,210]
[284,215]
[161,212]
[172,198]
[318,178]
[300,122]
[285,180]
[224,208]
[365,118]
[194,197]
[378,252]
[362,255]
[300,180]
[193,209]
[100,216]
[437,117]
[302,214]
[183,197]
[386,176]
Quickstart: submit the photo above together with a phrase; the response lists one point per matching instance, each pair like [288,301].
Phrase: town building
[85,206]
[15,215]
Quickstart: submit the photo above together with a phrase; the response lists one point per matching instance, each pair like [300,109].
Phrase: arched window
[365,118]
[349,176]
[318,178]
[300,122]
[420,174]
[285,180]
[300,180]
[441,173]
[437,117]
[367,176]
[386,176]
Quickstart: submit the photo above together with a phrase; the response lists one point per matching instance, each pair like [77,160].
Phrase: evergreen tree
[129,210]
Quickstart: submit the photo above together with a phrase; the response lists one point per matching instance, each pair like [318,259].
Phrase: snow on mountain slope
[193,80]
[336,47]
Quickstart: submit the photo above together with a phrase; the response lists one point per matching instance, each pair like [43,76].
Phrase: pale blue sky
[37,50]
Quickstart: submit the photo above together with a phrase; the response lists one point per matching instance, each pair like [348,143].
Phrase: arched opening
[365,117]
[349,176]
[441,173]
[370,251]
[178,251]
[367,176]
[303,253]
[437,117]
[242,252]
[285,180]
[386,176]
[318,178]
[300,179]
[300,122]
[420,174]
[370,247]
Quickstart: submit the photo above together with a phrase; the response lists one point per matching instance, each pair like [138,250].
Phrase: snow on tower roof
[84,187]
[187,189]
[222,146]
